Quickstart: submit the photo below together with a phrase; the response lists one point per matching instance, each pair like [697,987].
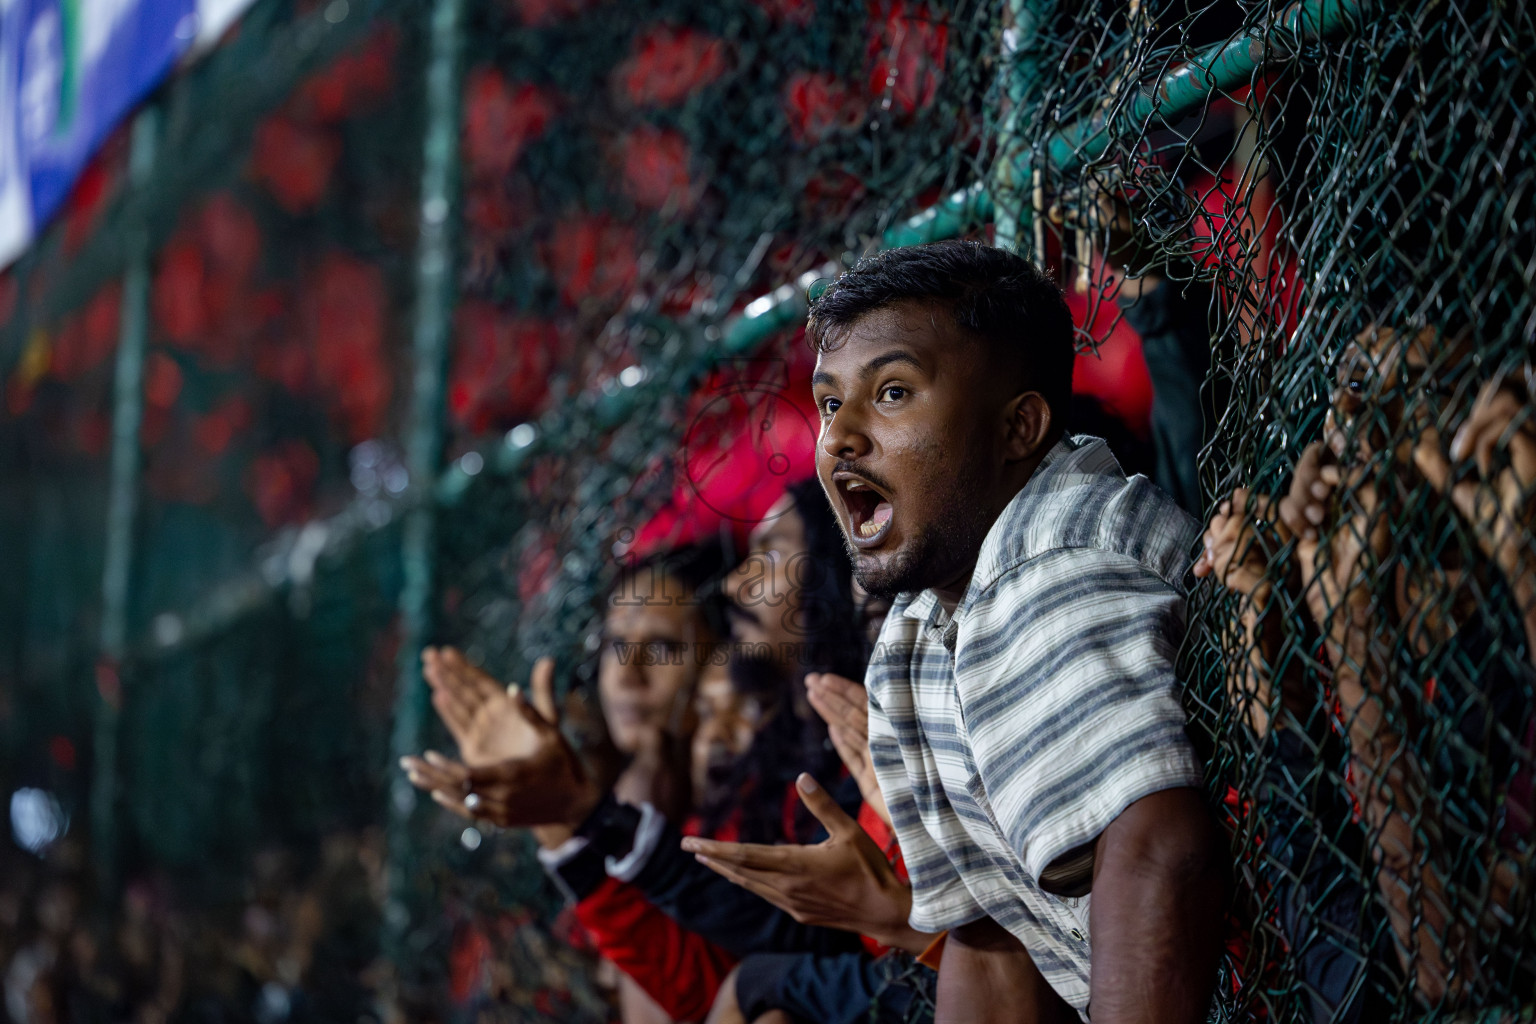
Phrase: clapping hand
[518,771]
[844,706]
[844,882]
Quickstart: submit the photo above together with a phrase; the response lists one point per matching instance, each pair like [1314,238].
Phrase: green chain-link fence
[426,311]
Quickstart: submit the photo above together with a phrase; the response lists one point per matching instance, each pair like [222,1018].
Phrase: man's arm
[987,977]
[1156,913]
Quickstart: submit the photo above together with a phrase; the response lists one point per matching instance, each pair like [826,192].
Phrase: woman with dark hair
[793,613]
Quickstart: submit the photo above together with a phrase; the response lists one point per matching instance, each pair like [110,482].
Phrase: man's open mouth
[869,510]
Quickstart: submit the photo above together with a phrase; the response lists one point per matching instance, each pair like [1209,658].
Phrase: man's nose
[843,437]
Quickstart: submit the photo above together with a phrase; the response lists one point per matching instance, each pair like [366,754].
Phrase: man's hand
[844,706]
[844,882]
[487,721]
[1101,215]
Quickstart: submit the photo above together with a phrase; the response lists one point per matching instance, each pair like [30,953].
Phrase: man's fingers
[535,719]
[478,683]
[1300,510]
[423,775]
[1430,460]
[504,773]
[542,683]
[852,750]
[748,880]
[1522,457]
[437,760]
[1492,408]
[843,687]
[431,667]
[742,855]
[820,803]
[449,768]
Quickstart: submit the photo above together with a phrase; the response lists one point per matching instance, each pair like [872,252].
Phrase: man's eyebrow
[898,356]
[884,359]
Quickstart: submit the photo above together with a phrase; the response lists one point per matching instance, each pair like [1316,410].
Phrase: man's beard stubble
[937,555]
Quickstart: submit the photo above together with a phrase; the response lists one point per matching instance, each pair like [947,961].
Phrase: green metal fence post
[423,456]
[122,511]
[1012,178]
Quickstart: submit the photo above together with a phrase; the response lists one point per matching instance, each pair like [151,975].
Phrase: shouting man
[1025,721]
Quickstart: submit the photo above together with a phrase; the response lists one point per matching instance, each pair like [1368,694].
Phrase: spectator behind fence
[1172,319]
[661,626]
[1024,714]
[1344,519]
[820,972]
[794,617]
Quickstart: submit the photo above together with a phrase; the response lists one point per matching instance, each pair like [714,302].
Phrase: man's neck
[1016,477]
[949,594]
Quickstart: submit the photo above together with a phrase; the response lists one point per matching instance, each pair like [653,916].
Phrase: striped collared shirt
[1010,734]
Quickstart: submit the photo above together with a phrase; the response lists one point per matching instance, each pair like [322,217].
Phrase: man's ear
[1029,426]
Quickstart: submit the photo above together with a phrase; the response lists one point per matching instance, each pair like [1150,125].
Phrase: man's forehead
[923,329]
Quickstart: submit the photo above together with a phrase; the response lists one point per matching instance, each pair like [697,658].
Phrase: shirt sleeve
[940,899]
[1065,672]
[680,970]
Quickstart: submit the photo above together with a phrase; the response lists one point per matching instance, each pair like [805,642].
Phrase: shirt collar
[925,607]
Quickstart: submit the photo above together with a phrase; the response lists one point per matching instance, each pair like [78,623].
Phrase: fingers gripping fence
[1316,217]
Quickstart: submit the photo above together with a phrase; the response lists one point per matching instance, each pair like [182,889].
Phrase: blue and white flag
[70,71]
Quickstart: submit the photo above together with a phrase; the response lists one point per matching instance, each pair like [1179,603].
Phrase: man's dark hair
[996,296]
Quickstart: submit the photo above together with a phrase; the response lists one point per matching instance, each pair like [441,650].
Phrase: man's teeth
[876,522]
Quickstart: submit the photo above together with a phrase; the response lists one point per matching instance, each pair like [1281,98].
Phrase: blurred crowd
[293,941]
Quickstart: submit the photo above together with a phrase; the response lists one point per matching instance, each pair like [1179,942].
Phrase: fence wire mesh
[1297,239]
[1353,215]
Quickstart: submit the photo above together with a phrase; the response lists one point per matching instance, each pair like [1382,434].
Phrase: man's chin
[882,575]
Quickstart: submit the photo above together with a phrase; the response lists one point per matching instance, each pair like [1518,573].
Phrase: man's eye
[831,405]
[893,394]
